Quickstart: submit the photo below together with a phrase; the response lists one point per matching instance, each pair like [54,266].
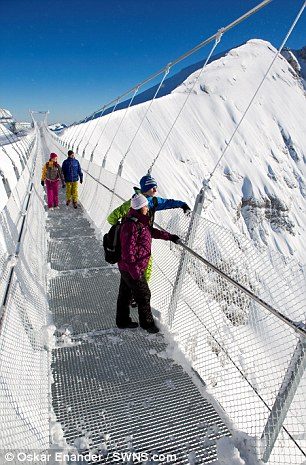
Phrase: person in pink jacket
[136,237]
[52,175]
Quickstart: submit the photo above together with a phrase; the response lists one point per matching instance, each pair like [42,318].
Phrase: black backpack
[111,241]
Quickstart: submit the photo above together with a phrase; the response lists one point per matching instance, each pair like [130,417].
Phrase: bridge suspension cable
[82,129]
[78,129]
[119,126]
[95,126]
[137,130]
[143,118]
[107,122]
[217,40]
[87,120]
[259,87]
[73,134]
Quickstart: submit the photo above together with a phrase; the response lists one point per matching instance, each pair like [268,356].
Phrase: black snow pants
[141,294]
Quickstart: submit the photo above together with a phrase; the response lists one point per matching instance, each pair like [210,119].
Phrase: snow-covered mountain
[259,187]
[57,126]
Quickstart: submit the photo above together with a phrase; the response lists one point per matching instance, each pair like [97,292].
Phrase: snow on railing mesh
[241,351]
[24,385]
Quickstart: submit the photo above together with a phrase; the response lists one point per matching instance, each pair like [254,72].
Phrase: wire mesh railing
[24,361]
[251,361]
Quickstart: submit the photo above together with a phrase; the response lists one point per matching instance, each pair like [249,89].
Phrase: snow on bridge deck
[116,389]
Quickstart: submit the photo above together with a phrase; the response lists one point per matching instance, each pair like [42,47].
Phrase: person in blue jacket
[148,187]
[72,172]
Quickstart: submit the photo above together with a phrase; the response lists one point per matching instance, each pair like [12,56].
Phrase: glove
[81,181]
[63,186]
[186,208]
[174,238]
[42,183]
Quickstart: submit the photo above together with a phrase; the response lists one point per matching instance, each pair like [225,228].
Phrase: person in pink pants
[52,175]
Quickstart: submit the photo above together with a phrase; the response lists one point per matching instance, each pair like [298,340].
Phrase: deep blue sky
[71,56]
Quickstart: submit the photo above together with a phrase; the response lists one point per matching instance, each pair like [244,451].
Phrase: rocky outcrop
[289,145]
[271,209]
[258,213]
[292,60]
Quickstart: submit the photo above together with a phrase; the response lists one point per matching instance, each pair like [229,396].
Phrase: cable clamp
[219,35]
[300,325]
[12,260]
[205,183]
[167,69]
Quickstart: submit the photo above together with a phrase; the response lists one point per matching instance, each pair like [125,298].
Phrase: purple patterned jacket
[136,240]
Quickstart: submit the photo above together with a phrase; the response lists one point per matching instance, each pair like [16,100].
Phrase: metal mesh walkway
[119,390]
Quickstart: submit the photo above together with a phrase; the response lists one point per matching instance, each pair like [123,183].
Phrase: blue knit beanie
[147,182]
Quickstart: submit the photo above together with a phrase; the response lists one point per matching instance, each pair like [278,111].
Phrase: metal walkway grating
[67,218]
[85,301]
[76,253]
[120,385]
[116,388]
[62,232]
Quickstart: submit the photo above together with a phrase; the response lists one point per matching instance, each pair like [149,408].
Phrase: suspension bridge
[229,363]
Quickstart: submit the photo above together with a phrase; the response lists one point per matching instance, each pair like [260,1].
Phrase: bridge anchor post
[284,398]
[182,268]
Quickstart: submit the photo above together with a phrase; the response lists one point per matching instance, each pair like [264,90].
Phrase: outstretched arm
[119,212]
[165,235]
[166,204]
[158,234]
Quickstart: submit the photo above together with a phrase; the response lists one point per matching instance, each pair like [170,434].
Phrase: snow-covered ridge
[259,187]
[57,126]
